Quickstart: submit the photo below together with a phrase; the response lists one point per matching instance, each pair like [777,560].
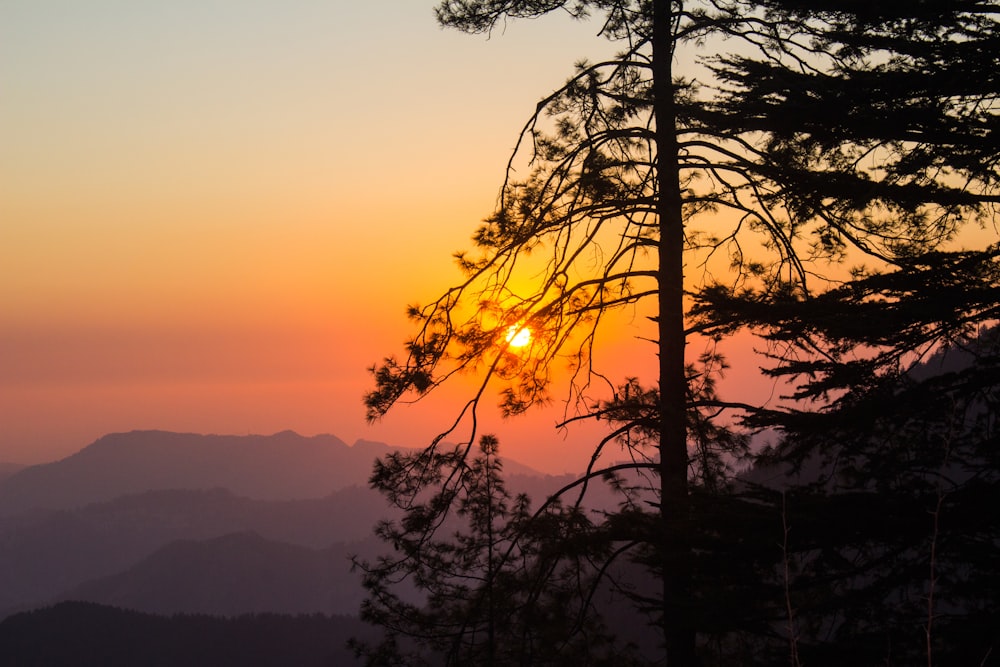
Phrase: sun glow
[518,337]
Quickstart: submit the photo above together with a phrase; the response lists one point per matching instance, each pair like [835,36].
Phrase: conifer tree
[807,148]
[495,582]
[889,463]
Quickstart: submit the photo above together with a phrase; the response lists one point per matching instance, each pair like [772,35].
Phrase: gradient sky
[213,212]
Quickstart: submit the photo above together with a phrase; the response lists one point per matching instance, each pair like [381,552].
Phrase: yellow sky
[213,212]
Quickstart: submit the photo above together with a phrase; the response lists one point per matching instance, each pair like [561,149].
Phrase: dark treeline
[82,634]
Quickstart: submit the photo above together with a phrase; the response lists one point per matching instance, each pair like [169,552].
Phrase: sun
[518,336]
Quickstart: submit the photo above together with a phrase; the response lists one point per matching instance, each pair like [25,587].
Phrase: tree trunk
[678,628]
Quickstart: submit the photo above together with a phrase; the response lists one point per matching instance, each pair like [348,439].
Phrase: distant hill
[8,469]
[170,522]
[43,553]
[75,634]
[956,359]
[234,574]
[282,466]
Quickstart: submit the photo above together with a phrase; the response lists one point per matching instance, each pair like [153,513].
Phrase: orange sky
[213,213]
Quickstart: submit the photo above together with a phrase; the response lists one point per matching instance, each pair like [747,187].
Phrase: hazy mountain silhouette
[8,469]
[282,466]
[47,553]
[78,633]
[43,553]
[953,359]
[233,574]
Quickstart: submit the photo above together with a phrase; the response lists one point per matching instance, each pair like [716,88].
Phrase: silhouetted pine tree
[490,581]
[889,461]
[802,141]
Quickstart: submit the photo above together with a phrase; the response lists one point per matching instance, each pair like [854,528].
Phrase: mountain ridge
[99,527]
[228,575]
[281,466]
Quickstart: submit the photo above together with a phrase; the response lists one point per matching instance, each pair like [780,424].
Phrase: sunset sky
[213,212]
